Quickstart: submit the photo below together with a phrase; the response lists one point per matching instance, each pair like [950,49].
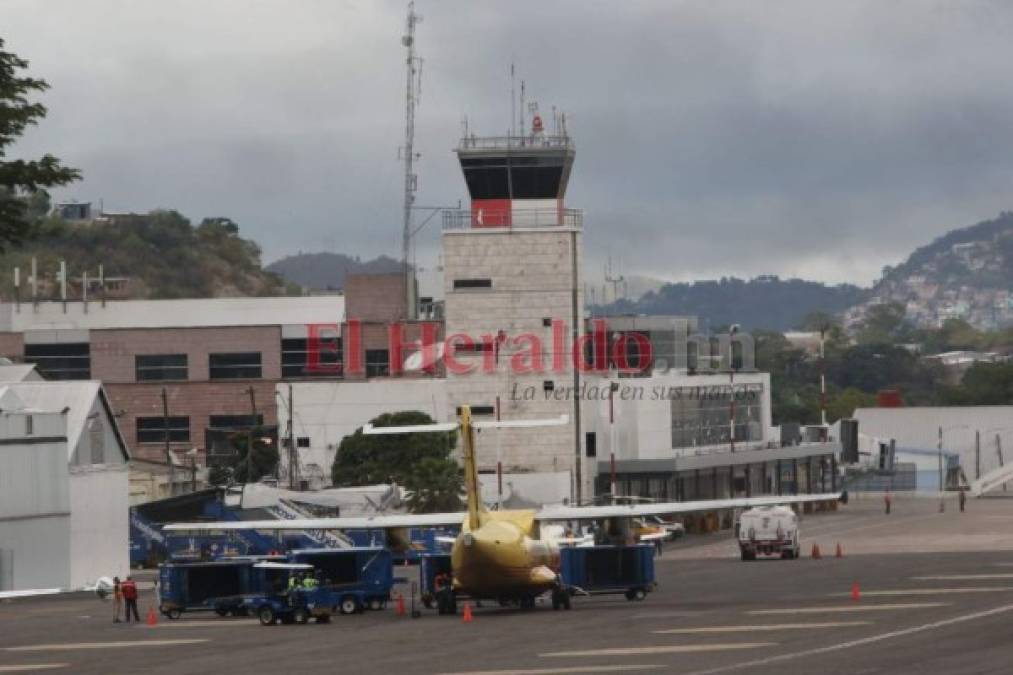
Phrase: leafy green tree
[885,324]
[843,403]
[420,462]
[434,485]
[988,384]
[20,179]
[264,460]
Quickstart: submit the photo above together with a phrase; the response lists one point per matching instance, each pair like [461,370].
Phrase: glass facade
[701,415]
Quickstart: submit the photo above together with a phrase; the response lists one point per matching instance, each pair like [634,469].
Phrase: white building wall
[35,553]
[99,527]
[326,412]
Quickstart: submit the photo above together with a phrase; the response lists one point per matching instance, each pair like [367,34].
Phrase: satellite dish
[103,587]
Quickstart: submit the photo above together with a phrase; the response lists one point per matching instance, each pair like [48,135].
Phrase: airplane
[502,555]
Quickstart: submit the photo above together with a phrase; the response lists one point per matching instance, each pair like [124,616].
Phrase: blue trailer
[359,577]
[204,586]
[275,602]
[605,570]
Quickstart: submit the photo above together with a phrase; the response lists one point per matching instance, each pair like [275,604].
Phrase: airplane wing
[664,508]
[352,523]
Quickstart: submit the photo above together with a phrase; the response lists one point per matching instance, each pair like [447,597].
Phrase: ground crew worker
[117,599]
[886,501]
[129,589]
[309,582]
[962,499]
[294,581]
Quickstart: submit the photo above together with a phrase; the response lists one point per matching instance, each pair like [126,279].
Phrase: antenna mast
[614,280]
[413,89]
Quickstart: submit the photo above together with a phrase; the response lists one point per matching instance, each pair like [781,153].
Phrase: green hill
[161,253]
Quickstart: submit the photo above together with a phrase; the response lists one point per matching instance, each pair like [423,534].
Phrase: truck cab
[770,531]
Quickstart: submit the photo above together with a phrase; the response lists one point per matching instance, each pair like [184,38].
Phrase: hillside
[327,271]
[964,274]
[766,302]
[157,255]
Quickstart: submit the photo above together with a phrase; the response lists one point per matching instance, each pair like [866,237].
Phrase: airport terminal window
[234,422]
[480,410]
[700,415]
[234,366]
[151,367]
[61,360]
[296,358]
[154,429]
[377,362]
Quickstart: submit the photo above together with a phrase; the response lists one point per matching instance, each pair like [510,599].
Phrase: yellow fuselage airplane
[500,554]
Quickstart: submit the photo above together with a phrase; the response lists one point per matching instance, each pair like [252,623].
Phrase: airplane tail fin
[470,469]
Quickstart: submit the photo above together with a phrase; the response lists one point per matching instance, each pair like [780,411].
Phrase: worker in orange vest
[129,589]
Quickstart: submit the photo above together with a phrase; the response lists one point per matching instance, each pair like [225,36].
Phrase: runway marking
[63,647]
[764,627]
[660,649]
[200,624]
[32,667]
[848,608]
[928,591]
[959,577]
[561,671]
[857,643]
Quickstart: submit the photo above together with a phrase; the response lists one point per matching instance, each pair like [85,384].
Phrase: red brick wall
[196,400]
[12,345]
[113,351]
[374,298]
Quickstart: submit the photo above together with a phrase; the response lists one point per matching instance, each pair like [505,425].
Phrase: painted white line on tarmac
[69,646]
[660,649]
[847,608]
[857,643]
[561,671]
[962,577]
[927,591]
[763,627]
[199,624]
[27,668]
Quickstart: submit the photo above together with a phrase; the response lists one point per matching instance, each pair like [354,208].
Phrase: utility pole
[165,432]
[575,331]
[249,435]
[291,441]
[942,504]
[977,454]
[998,451]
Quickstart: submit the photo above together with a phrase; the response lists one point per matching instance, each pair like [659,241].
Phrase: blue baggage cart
[203,586]
[359,577]
[605,570]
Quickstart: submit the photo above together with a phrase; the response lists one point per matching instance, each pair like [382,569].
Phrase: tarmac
[935,595]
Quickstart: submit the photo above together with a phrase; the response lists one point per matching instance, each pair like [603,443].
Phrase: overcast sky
[813,139]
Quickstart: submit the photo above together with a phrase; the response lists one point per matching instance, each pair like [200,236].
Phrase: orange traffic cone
[467,613]
[840,551]
[855,593]
[152,617]
[816,552]
[400,605]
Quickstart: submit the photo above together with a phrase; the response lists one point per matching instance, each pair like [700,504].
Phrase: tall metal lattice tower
[408,154]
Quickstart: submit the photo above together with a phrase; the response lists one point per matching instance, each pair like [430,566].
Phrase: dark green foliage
[420,462]
[327,271]
[161,252]
[766,302]
[264,460]
[21,180]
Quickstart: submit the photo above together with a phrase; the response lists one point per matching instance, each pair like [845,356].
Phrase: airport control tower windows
[472,283]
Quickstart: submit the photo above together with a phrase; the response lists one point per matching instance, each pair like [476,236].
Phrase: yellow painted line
[660,649]
[27,668]
[559,671]
[966,577]
[69,646]
[848,608]
[200,624]
[764,627]
[928,591]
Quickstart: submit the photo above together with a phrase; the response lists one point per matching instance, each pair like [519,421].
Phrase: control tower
[512,272]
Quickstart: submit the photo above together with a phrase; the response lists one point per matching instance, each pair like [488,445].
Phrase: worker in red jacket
[129,590]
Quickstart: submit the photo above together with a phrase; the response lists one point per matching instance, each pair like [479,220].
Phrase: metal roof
[77,397]
[188,313]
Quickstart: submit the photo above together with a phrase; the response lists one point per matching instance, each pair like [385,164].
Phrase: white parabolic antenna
[417,361]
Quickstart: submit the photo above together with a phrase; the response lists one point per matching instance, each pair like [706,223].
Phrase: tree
[885,324]
[264,460]
[843,403]
[420,462]
[20,179]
